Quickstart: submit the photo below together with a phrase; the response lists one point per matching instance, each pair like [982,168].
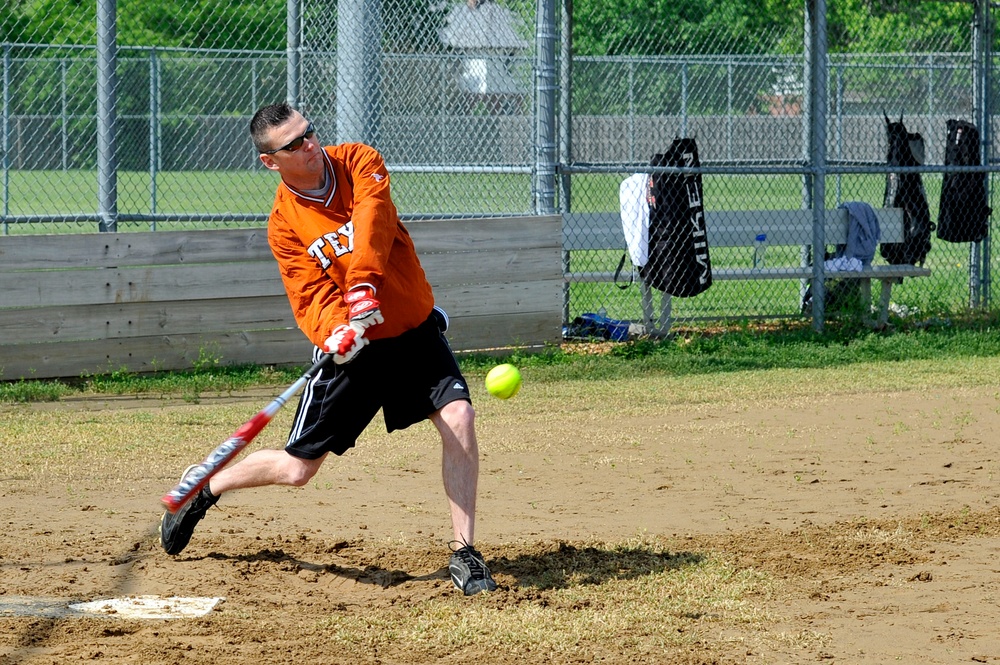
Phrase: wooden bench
[738,228]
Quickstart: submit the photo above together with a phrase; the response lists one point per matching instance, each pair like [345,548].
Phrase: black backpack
[964,214]
[678,262]
[906,191]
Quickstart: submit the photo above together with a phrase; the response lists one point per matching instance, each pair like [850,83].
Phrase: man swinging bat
[358,291]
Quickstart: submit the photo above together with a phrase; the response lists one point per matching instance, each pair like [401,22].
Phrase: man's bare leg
[459,465]
[460,470]
[265,467]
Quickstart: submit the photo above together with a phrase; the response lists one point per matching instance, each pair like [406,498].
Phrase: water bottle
[759,249]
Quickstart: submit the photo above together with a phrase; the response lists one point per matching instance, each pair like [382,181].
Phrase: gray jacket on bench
[863,233]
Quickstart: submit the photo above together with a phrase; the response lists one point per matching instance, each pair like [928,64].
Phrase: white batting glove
[344,343]
[364,308]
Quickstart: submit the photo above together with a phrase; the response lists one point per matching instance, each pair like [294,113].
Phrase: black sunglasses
[295,143]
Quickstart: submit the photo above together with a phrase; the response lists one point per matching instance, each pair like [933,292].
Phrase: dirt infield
[868,519]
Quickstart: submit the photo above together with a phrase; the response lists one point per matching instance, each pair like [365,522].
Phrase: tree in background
[624,27]
[667,27]
[881,26]
[229,24]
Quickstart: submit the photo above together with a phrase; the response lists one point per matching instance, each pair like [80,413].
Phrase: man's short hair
[264,119]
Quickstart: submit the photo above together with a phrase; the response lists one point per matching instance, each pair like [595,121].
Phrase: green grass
[751,348]
[944,293]
[241,192]
[738,348]
[251,192]
[189,384]
[599,192]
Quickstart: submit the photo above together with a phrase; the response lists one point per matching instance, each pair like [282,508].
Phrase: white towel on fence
[632,195]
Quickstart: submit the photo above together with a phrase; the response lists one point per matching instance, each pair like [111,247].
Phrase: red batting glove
[364,308]
[344,343]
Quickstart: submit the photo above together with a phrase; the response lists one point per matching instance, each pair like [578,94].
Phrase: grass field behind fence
[250,192]
[242,192]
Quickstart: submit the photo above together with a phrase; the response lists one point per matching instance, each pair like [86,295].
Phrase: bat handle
[323,361]
[280,400]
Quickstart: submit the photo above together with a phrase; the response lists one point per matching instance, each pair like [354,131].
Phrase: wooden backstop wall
[85,304]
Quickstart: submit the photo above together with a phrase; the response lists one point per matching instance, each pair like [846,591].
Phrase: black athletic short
[409,377]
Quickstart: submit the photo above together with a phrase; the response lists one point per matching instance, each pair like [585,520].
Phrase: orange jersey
[349,237]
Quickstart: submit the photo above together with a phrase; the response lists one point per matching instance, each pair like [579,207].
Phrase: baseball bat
[198,477]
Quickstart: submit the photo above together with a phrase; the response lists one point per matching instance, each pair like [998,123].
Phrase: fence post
[545,107]
[154,124]
[63,116]
[293,50]
[839,102]
[817,55]
[981,59]
[6,136]
[359,52]
[566,128]
[986,137]
[805,252]
[107,82]
[631,111]
[729,108]
[684,98]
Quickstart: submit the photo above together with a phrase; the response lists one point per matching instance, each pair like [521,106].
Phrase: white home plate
[148,607]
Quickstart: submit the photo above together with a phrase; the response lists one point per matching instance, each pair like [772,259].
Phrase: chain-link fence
[746,114]
[445,92]
[137,119]
[750,115]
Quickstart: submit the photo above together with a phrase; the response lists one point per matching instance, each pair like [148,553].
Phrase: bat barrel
[196,478]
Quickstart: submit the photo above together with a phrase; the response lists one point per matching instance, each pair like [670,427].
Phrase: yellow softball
[503,381]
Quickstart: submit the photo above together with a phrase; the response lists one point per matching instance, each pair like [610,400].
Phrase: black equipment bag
[965,213]
[906,191]
[678,262]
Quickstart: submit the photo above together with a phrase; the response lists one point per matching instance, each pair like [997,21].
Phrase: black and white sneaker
[468,570]
[176,528]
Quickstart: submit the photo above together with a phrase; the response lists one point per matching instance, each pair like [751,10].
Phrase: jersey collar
[325,200]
